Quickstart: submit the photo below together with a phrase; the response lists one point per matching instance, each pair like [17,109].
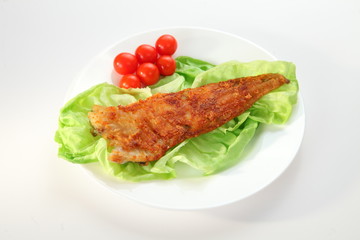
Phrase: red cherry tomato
[125,63]
[166,65]
[148,73]
[146,53]
[166,45]
[130,81]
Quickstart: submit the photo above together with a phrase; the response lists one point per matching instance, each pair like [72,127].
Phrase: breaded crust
[145,130]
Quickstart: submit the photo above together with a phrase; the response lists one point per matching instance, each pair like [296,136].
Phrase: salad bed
[208,153]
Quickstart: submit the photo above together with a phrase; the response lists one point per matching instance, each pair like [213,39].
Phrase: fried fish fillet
[145,130]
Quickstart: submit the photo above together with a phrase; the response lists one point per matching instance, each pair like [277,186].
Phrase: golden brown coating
[145,130]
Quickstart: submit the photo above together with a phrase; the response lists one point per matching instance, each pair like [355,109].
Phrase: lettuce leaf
[208,153]
[274,107]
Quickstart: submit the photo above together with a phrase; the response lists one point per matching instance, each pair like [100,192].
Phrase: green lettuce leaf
[274,107]
[190,68]
[208,153]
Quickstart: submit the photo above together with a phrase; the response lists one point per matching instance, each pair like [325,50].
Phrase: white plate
[269,154]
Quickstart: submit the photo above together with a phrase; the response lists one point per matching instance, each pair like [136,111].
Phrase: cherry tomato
[166,45]
[130,81]
[148,73]
[146,53]
[166,65]
[125,63]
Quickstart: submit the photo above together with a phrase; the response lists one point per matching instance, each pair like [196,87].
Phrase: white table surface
[44,45]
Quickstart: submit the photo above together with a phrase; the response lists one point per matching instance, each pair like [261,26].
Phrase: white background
[44,45]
